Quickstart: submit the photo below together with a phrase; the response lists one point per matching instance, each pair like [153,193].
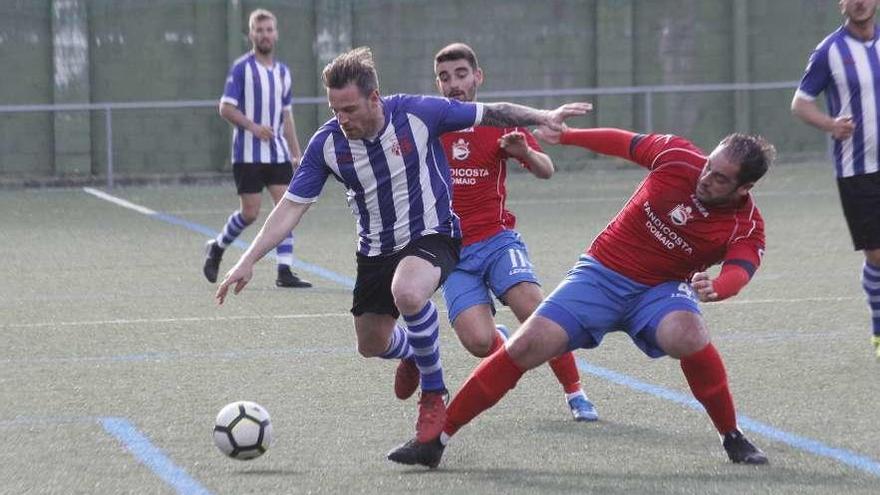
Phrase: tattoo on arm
[511,115]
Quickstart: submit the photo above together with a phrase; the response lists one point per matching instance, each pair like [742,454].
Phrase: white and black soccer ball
[243,430]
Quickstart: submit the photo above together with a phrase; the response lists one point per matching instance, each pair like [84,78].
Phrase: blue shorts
[593,300]
[495,264]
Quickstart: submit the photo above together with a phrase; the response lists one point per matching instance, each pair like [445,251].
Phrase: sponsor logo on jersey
[681,214]
[402,147]
[666,235]
[467,176]
[461,149]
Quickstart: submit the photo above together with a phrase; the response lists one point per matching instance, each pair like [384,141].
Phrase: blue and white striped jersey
[848,70]
[398,186]
[262,94]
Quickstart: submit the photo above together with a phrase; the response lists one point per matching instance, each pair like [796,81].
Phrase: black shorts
[252,177]
[860,197]
[372,288]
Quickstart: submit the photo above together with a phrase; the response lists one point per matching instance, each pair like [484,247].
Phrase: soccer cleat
[741,451]
[287,278]
[406,378]
[213,255]
[432,415]
[875,341]
[414,452]
[582,409]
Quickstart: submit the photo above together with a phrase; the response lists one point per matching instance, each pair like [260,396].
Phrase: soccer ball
[243,430]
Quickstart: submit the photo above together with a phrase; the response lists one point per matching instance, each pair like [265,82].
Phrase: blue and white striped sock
[234,225]
[423,330]
[871,284]
[399,347]
[284,251]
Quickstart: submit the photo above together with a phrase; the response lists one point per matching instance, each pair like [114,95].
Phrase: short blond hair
[354,66]
[260,15]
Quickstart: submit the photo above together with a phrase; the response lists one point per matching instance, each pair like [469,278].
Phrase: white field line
[119,201]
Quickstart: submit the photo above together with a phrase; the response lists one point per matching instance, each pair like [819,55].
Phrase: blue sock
[399,347]
[234,225]
[284,251]
[423,330]
[871,284]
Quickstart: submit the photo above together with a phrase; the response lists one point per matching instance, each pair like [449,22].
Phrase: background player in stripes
[386,153]
[689,213]
[846,66]
[257,100]
[494,257]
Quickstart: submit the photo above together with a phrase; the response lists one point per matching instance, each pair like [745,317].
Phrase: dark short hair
[457,51]
[352,66]
[754,154]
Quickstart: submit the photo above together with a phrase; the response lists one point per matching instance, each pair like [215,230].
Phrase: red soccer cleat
[432,416]
[406,378]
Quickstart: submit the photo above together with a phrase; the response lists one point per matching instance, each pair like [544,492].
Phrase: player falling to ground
[846,66]
[387,154]
[257,101]
[494,258]
[690,212]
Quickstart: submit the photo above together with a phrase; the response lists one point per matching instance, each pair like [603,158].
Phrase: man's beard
[264,50]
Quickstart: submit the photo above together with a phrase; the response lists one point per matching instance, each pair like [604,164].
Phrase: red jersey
[663,232]
[478,166]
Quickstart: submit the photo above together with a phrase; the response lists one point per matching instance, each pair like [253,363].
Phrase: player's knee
[408,300]
[686,342]
[478,345]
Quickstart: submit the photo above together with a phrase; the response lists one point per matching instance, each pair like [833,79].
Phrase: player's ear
[743,189]
[478,76]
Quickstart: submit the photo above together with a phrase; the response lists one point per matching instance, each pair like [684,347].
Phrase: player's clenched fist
[702,285]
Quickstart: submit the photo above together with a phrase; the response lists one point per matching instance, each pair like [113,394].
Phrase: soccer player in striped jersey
[846,66]
[257,100]
[387,154]
[643,274]
[494,257]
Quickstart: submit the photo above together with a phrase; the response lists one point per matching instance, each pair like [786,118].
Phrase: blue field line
[852,459]
[320,271]
[151,456]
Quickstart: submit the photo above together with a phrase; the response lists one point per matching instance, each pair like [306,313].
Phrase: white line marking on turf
[187,319]
[119,201]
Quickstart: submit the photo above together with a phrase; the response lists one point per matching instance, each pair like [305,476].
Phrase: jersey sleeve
[746,248]
[311,174]
[817,76]
[287,94]
[233,92]
[444,115]
[648,150]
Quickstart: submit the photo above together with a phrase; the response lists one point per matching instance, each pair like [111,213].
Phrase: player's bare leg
[683,335]
[476,330]
[415,280]
[523,299]
[249,209]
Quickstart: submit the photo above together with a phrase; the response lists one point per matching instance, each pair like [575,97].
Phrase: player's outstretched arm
[513,115]
[607,141]
[283,219]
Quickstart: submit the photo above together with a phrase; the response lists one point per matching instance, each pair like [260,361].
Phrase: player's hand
[556,118]
[240,275]
[514,144]
[549,135]
[263,132]
[843,127]
[703,287]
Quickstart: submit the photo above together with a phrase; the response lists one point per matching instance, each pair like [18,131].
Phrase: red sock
[498,343]
[705,374]
[566,372]
[487,385]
